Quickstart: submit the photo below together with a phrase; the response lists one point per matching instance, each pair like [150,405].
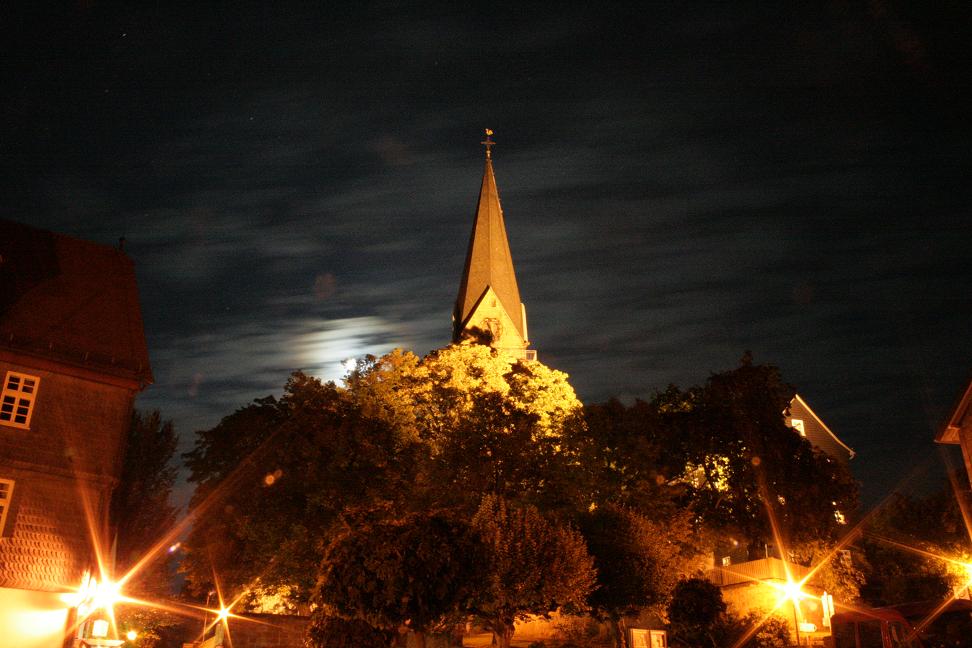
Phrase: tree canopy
[357,477]
[739,460]
[141,514]
[414,572]
[410,433]
[533,566]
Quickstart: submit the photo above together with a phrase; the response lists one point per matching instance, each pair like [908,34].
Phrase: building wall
[491,308]
[815,433]
[47,546]
[63,467]
[32,619]
[268,631]
[77,424]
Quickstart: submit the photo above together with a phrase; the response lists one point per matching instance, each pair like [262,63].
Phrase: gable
[960,418]
[489,314]
[816,431]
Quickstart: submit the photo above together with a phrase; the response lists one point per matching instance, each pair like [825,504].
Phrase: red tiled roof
[71,301]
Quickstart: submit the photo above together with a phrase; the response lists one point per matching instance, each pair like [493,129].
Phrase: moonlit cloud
[681,183]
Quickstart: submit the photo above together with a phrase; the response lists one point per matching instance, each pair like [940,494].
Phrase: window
[726,561]
[6,493]
[17,399]
[797,424]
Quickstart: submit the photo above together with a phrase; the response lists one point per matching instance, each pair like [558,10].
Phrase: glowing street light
[792,591]
[131,635]
[99,628]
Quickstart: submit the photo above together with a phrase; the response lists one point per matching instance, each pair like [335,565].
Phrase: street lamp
[793,592]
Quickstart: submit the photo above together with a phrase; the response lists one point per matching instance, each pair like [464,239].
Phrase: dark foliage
[737,455]
[141,515]
[335,632]
[533,566]
[414,572]
[637,561]
[273,478]
[894,573]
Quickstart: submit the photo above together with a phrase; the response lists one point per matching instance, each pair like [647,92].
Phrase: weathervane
[488,143]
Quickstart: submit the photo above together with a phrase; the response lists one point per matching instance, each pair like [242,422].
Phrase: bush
[774,633]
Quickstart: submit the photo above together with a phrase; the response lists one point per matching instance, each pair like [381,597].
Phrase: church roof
[70,301]
[489,263]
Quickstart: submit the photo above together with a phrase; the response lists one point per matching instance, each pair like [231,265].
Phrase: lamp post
[208,596]
[796,621]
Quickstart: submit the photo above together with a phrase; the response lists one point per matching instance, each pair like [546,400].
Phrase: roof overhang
[850,451]
[959,419]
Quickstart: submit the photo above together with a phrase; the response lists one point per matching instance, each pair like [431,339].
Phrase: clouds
[681,183]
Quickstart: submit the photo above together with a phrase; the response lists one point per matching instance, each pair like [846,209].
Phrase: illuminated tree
[532,567]
[421,433]
[487,422]
[426,398]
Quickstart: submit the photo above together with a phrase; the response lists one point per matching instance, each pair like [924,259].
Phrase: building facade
[958,430]
[72,359]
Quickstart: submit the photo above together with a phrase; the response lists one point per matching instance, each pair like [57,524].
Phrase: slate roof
[488,261]
[71,301]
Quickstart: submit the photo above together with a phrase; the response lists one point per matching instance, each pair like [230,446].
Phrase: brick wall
[76,425]
[269,631]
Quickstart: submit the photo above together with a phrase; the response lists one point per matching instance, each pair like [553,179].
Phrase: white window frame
[6,497]
[797,424]
[17,396]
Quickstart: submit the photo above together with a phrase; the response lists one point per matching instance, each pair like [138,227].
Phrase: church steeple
[489,299]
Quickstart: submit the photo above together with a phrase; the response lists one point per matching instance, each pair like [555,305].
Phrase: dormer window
[17,399]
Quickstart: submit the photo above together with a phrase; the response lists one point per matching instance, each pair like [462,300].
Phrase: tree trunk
[401,639]
[620,630]
[420,639]
[503,633]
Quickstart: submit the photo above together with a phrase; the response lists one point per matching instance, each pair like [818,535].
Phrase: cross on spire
[488,143]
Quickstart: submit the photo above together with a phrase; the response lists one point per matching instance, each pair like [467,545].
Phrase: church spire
[489,299]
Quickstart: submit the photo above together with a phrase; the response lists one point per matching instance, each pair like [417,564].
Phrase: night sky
[681,182]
